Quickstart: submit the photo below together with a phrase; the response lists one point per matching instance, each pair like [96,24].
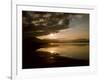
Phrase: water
[69,50]
[56,55]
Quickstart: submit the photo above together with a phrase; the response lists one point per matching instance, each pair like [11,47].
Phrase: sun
[52,36]
[49,36]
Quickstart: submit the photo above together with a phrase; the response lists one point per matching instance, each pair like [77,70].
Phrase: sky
[78,29]
[52,25]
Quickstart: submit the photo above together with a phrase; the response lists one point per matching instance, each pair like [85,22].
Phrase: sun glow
[51,36]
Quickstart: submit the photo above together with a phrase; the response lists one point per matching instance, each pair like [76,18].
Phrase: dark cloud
[47,22]
[43,23]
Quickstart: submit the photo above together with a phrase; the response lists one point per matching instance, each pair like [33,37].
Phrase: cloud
[47,22]
[44,23]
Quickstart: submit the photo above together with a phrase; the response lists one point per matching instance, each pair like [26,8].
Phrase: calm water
[70,50]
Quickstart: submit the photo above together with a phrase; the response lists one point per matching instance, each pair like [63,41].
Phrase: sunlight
[49,36]
[52,36]
[49,49]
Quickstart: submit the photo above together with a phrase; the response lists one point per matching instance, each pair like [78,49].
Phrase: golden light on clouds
[68,34]
[52,36]
[49,36]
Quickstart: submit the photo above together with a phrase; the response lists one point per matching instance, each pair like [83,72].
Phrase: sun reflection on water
[78,52]
[51,50]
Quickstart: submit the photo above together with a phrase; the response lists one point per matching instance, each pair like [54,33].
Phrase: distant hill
[43,41]
[65,41]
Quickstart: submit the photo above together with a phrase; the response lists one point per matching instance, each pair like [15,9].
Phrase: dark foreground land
[33,59]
